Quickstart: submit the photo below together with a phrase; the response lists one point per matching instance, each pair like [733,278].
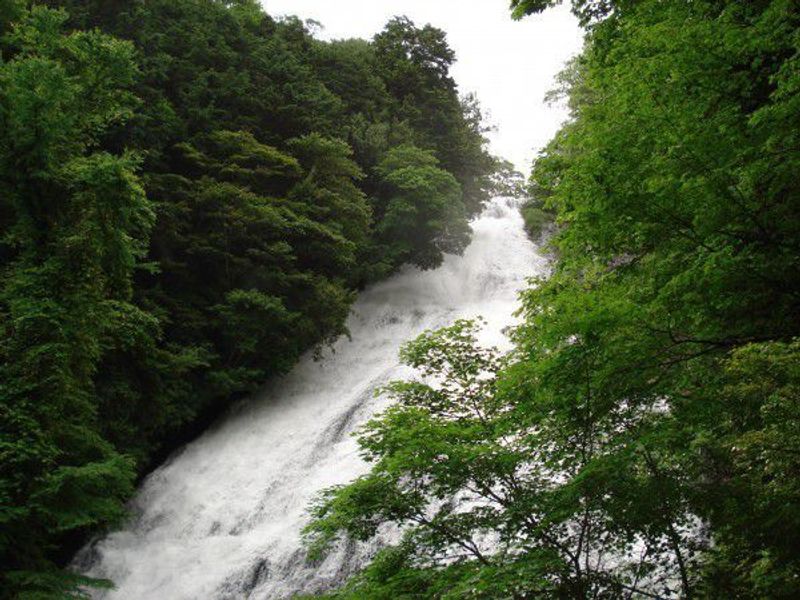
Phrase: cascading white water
[222,518]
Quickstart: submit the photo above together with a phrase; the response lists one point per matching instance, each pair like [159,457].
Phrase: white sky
[509,64]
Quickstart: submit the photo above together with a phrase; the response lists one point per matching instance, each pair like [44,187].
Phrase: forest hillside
[191,193]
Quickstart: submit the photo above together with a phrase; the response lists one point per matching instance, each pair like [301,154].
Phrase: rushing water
[222,518]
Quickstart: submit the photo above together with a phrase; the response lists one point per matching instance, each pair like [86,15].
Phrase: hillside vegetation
[643,440]
[191,192]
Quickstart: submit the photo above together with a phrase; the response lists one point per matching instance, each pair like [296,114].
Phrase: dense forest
[643,439]
[191,193]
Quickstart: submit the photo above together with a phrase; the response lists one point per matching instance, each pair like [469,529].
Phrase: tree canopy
[642,440]
[191,193]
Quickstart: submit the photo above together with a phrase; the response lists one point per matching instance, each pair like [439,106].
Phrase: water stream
[221,519]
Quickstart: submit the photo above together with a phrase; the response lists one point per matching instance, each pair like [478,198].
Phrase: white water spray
[222,518]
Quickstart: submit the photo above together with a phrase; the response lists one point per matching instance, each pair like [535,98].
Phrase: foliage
[500,494]
[74,222]
[507,181]
[191,193]
[642,439]
[587,11]
[416,64]
[423,215]
[536,219]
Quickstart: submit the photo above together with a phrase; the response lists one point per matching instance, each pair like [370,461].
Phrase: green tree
[257,232]
[587,11]
[503,488]
[415,64]
[651,402]
[423,216]
[128,322]
[75,224]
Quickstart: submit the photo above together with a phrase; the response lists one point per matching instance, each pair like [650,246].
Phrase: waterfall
[222,517]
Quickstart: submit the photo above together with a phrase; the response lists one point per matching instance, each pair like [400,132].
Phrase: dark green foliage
[74,224]
[415,64]
[587,11]
[423,215]
[190,194]
[643,440]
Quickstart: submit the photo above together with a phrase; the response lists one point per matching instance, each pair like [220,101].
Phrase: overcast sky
[509,64]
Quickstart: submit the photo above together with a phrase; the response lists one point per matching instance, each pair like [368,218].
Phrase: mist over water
[222,517]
